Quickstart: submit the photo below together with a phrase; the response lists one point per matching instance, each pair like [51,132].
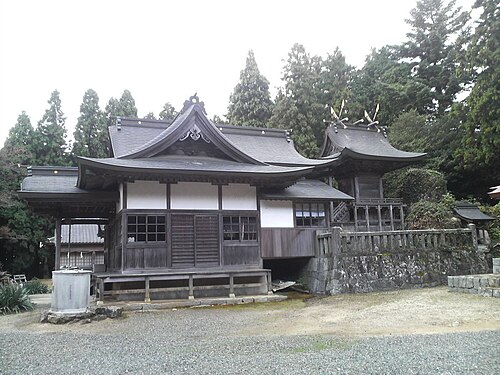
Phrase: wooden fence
[338,241]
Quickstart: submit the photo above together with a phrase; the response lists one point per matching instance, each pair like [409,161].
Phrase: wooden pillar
[379,209]
[269,283]
[402,214]
[330,182]
[57,264]
[191,289]
[231,286]
[101,290]
[123,228]
[367,217]
[392,217]
[355,217]
[146,287]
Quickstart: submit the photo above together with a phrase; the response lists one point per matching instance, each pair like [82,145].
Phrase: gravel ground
[220,341]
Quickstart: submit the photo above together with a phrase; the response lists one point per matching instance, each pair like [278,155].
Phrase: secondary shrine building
[193,207]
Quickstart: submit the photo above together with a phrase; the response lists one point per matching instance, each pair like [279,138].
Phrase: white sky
[167,50]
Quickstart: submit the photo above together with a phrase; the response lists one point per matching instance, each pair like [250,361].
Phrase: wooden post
[335,245]
[402,217]
[355,217]
[391,215]
[124,230]
[367,217]
[231,286]
[57,264]
[379,209]
[146,286]
[100,282]
[269,283]
[191,289]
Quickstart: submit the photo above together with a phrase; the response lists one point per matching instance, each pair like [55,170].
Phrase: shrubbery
[413,185]
[14,299]
[494,227]
[431,215]
[35,286]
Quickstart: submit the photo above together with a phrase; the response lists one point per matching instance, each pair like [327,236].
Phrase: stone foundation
[487,285]
[370,261]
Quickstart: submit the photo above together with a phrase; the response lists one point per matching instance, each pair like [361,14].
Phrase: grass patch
[323,343]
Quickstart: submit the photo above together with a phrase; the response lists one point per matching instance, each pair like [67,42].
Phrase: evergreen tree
[386,81]
[479,151]
[335,80]
[20,229]
[250,103]
[50,135]
[434,46]
[168,113]
[91,137]
[19,143]
[150,116]
[127,106]
[297,106]
[219,120]
[123,107]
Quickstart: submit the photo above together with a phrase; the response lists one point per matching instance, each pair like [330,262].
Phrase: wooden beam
[57,264]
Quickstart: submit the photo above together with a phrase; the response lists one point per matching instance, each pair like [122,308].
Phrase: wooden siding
[195,241]
[288,242]
[146,256]
[182,241]
[206,240]
[241,254]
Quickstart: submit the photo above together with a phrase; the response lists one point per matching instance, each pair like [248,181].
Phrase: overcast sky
[167,50]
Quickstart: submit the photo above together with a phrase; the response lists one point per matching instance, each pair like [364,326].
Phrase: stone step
[485,285]
[474,281]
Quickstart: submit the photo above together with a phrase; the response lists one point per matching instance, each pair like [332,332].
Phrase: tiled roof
[307,189]
[359,142]
[80,234]
[471,212]
[182,164]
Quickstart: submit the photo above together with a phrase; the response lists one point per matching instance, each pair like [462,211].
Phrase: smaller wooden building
[363,156]
[82,246]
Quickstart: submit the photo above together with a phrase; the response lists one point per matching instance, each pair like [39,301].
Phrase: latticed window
[146,228]
[240,228]
[310,215]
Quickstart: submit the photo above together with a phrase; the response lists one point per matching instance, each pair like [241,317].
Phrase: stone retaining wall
[487,285]
[370,261]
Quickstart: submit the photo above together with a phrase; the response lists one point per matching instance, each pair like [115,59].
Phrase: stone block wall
[370,261]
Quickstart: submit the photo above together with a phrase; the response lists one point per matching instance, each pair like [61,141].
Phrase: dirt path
[432,310]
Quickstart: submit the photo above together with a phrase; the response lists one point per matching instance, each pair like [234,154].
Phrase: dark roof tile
[308,189]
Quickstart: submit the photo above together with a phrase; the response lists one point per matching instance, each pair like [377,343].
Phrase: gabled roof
[471,212]
[191,123]
[364,143]
[132,137]
[272,146]
[193,148]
